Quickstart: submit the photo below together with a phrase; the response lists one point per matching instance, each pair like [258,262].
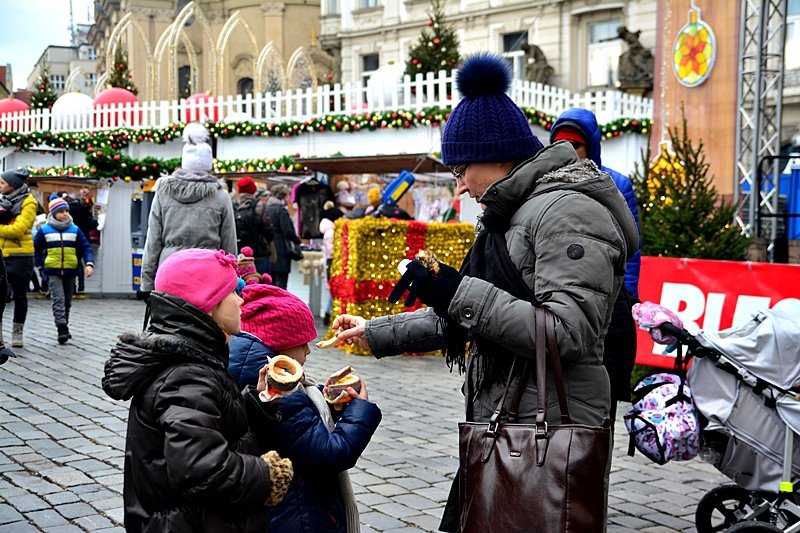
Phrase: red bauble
[200,107]
[123,106]
[12,105]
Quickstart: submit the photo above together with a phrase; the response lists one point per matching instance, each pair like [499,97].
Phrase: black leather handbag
[534,477]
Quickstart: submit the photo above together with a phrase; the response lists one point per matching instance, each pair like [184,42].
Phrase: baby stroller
[746,387]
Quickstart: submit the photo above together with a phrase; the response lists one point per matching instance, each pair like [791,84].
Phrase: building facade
[230,47]
[71,68]
[578,37]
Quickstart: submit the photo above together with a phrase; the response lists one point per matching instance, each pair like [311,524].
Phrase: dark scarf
[488,260]
[11,204]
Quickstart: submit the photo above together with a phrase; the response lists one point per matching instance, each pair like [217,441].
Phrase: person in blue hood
[579,127]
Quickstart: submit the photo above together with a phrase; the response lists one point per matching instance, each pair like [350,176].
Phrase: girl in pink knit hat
[323,441]
[194,445]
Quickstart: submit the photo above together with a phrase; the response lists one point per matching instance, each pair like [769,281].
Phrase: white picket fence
[431,90]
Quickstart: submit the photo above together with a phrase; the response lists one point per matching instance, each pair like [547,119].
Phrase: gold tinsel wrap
[367,252]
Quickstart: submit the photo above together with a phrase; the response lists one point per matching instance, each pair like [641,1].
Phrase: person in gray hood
[191,208]
[555,232]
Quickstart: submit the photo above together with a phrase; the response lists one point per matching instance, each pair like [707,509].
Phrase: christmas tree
[120,75]
[434,51]
[44,96]
[680,212]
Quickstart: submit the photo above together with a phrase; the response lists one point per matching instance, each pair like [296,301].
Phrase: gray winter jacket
[569,236]
[191,209]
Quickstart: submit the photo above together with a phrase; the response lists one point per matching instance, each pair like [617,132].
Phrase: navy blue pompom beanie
[486,126]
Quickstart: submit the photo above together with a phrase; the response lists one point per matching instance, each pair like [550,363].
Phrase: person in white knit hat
[191,208]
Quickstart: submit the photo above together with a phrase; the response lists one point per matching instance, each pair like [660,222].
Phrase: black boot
[63,334]
[5,353]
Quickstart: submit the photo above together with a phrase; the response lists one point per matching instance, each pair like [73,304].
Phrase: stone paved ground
[62,439]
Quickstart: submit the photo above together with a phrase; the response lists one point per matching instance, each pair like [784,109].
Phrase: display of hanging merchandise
[367,252]
[694,51]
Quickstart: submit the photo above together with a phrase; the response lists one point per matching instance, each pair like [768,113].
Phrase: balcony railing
[417,94]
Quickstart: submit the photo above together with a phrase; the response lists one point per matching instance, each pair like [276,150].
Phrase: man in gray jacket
[555,232]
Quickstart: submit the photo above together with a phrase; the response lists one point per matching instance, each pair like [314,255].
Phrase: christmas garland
[104,157]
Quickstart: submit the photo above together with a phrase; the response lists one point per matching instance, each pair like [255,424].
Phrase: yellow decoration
[367,252]
[665,163]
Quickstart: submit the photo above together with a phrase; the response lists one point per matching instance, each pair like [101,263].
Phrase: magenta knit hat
[279,318]
[201,277]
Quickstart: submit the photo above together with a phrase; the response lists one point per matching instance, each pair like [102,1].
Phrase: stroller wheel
[726,505]
[755,527]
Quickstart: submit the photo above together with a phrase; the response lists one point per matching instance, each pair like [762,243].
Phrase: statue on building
[537,69]
[635,70]
[327,62]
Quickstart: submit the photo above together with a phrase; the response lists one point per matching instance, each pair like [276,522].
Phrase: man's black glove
[434,290]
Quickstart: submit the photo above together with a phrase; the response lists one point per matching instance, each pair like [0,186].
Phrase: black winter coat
[191,461]
[284,233]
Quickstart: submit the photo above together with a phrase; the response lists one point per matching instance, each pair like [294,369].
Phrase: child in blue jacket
[322,441]
[57,247]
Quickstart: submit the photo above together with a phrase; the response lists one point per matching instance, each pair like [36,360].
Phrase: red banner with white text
[712,295]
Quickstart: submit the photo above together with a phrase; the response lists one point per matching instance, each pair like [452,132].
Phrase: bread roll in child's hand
[281,473]
[337,384]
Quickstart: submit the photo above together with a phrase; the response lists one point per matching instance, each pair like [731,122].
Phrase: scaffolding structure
[758,119]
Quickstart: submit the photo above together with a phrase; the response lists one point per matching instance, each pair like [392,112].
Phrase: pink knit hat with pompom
[201,277]
[279,318]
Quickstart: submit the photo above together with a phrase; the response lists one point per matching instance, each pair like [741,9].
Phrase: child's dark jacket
[191,459]
[314,502]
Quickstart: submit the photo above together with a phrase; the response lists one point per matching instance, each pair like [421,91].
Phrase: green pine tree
[680,212]
[44,96]
[437,50]
[120,75]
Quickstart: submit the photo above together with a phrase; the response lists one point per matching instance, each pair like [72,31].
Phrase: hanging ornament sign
[694,51]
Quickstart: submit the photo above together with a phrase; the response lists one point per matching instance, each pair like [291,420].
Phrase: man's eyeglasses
[458,171]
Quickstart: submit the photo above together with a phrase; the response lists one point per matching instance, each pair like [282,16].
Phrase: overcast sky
[28,26]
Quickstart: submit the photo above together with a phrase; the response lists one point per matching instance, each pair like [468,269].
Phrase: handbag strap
[494,421]
[547,347]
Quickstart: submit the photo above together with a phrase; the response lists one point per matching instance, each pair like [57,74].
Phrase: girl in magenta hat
[322,441]
[193,451]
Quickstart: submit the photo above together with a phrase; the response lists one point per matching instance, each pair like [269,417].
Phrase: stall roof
[374,164]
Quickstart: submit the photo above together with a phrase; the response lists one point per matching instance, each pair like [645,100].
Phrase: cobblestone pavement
[62,439]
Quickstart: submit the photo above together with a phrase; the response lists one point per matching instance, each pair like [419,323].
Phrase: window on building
[512,51]
[367,4]
[331,7]
[184,81]
[91,79]
[790,57]
[244,86]
[91,53]
[58,81]
[603,53]
[369,64]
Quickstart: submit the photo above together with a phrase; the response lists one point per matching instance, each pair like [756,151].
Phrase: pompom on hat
[486,126]
[246,185]
[279,318]
[196,151]
[201,277]
[56,204]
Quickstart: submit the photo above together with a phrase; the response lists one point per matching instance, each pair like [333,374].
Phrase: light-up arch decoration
[126,22]
[162,45]
[300,72]
[270,74]
[76,74]
[234,20]
[192,10]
